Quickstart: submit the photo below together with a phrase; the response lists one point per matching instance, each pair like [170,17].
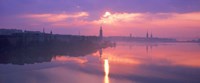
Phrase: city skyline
[167,18]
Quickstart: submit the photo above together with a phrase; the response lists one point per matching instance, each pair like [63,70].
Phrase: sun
[107,14]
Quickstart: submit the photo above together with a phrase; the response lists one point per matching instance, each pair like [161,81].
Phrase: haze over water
[125,63]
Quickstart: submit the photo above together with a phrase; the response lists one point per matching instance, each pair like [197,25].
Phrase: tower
[101,33]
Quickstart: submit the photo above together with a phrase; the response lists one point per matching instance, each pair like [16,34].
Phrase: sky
[163,18]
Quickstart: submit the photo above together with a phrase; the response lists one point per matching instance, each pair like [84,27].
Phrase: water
[125,63]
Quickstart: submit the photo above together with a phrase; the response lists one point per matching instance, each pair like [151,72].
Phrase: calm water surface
[125,63]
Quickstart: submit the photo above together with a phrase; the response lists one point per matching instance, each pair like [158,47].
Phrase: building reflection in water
[106,71]
[100,52]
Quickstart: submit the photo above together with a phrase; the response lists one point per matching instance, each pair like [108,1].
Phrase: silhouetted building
[9,31]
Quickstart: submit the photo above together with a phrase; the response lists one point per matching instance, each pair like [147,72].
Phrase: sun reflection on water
[106,70]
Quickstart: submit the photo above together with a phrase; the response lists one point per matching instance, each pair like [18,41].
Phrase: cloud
[127,16]
[10,7]
[120,23]
[175,25]
[159,20]
[56,17]
[119,17]
[119,20]
[176,20]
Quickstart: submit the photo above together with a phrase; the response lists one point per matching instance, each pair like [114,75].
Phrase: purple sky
[72,16]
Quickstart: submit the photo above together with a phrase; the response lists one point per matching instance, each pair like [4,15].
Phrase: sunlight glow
[107,14]
[117,18]
[106,70]
[67,59]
